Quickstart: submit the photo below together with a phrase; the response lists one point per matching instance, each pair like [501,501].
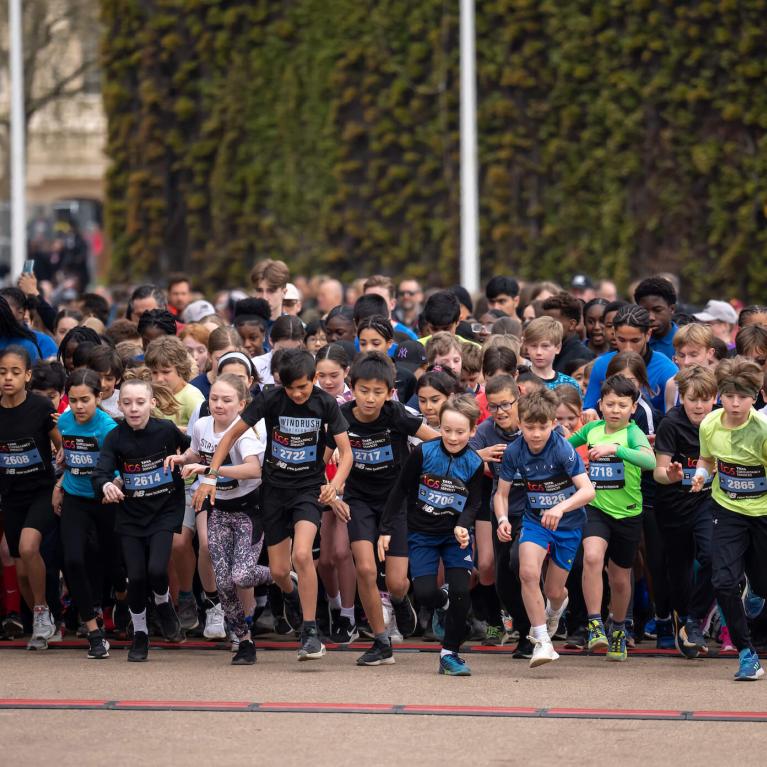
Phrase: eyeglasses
[505,406]
[478,327]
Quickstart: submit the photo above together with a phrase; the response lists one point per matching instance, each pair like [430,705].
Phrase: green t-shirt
[740,483]
[617,482]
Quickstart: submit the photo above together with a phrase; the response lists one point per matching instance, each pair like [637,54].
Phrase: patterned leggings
[235,562]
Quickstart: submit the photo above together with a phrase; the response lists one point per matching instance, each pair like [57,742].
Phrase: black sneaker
[292,610]
[684,643]
[344,632]
[405,616]
[379,654]
[121,616]
[524,649]
[281,626]
[577,639]
[98,646]
[13,626]
[170,626]
[311,646]
[246,655]
[139,650]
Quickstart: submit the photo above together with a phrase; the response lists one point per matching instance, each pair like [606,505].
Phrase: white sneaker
[552,618]
[395,636]
[543,652]
[235,640]
[214,623]
[43,628]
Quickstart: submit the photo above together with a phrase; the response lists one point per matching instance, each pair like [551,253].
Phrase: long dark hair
[12,328]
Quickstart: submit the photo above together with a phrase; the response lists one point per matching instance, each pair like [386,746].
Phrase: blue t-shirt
[34,355]
[558,380]
[547,476]
[47,345]
[659,369]
[665,344]
[82,445]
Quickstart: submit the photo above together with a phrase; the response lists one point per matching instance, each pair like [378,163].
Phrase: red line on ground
[729,715]
[325,706]
[222,704]
[622,712]
[43,702]
[412,708]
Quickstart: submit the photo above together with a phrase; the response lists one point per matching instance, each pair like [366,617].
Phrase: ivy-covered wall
[617,137]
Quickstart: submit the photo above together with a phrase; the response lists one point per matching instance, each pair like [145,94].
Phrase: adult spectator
[503,293]
[179,294]
[270,280]
[608,290]
[657,295]
[567,311]
[143,299]
[582,287]
[383,286]
[441,313]
[409,301]
[94,305]
[721,318]
[330,293]
[292,302]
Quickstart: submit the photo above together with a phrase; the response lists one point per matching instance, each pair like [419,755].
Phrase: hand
[504,531]
[602,451]
[60,457]
[341,510]
[172,461]
[461,535]
[383,546]
[328,494]
[587,416]
[697,483]
[203,493]
[55,416]
[112,493]
[551,517]
[56,499]
[674,472]
[492,453]
[28,284]
[193,468]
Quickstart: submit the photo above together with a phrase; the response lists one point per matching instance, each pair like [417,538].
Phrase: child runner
[440,490]
[556,484]
[542,341]
[152,507]
[734,441]
[444,349]
[618,452]
[594,322]
[105,361]
[83,429]
[294,492]
[685,518]
[432,391]
[27,429]
[693,345]
[234,529]
[378,432]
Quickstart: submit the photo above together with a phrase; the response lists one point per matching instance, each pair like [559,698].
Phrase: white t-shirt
[263,364]
[109,405]
[253,442]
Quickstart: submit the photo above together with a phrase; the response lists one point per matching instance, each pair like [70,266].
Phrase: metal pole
[469,178]
[18,169]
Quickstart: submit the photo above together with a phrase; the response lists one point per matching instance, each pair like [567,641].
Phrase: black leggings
[507,582]
[655,557]
[78,516]
[428,594]
[146,560]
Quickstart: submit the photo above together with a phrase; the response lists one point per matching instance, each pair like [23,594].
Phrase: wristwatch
[211,472]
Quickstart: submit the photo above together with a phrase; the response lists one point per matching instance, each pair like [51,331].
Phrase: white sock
[348,612]
[540,633]
[335,602]
[443,652]
[161,599]
[139,621]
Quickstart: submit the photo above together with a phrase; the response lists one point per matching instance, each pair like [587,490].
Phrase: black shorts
[35,512]
[363,526]
[282,507]
[485,509]
[622,535]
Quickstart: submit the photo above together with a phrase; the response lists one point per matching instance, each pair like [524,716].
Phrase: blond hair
[471,358]
[696,334]
[276,273]
[740,375]
[197,331]
[440,344]
[465,404]
[543,329]
[167,405]
[697,381]
[170,351]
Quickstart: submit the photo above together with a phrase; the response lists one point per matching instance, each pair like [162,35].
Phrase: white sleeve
[252,443]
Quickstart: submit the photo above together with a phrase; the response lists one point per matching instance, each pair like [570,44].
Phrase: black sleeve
[406,422]
[474,501]
[180,440]
[335,421]
[107,465]
[45,311]
[255,411]
[665,441]
[408,479]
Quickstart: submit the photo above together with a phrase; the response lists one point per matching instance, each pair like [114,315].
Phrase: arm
[408,478]
[669,395]
[55,438]
[425,433]
[250,468]
[501,510]
[666,471]
[703,470]
[584,494]
[581,437]
[207,488]
[187,457]
[103,474]
[638,451]
[329,492]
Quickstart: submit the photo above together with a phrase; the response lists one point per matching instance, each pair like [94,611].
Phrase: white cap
[197,310]
[718,311]
[292,293]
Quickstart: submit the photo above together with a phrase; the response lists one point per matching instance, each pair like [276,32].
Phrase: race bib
[81,454]
[146,477]
[294,452]
[372,453]
[19,457]
[438,496]
[688,472]
[222,483]
[543,494]
[741,481]
[607,473]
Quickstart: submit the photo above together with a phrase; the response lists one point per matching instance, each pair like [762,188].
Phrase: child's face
[759,356]
[136,404]
[252,336]
[567,418]
[199,353]
[150,334]
[617,410]
[300,390]
[451,360]
[108,383]
[330,377]
[83,403]
[429,402]
[627,373]
[660,314]
[14,375]
[609,327]
[339,328]
[68,354]
[536,433]
[53,395]
[239,370]
[371,341]
[542,354]
[316,342]
[65,325]
[225,403]
[579,375]
[456,431]
[168,375]
[736,405]
[503,410]
[693,354]
[697,408]
[216,356]
[370,396]
[595,325]
[471,380]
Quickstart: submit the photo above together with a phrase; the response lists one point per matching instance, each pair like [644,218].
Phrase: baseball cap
[718,311]
[292,293]
[581,282]
[197,310]
[411,355]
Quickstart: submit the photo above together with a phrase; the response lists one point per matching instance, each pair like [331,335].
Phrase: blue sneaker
[453,665]
[749,669]
[753,604]
[665,634]
[438,620]
[650,630]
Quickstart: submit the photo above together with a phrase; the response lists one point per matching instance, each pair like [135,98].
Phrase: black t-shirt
[678,437]
[572,349]
[379,448]
[295,435]
[26,465]
[154,496]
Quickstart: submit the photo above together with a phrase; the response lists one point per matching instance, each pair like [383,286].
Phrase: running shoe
[43,629]
[344,631]
[650,629]
[139,649]
[235,640]
[749,669]
[188,616]
[121,616]
[476,629]
[405,616]
[311,646]
[245,655]
[753,604]
[395,635]
[170,626]
[493,636]
[543,652]
[82,630]
[553,617]
[597,637]
[617,648]
[630,640]
[214,623]
[379,654]
[726,640]
[577,639]
[13,626]
[282,627]
[453,665]
[664,628]
[98,647]
[524,649]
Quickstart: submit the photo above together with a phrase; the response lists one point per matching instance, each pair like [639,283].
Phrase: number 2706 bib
[441,495]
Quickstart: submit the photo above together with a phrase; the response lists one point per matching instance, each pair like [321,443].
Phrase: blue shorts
[562,545]
[425,551]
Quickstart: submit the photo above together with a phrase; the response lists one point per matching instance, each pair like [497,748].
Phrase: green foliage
[617,138]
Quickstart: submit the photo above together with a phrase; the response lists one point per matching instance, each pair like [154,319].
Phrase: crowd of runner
[527,466]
